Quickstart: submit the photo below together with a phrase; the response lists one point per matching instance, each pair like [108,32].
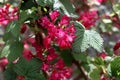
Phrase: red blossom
[60,64]
[52,55]
[8,14]
[20,78]
[47,42]
[23,28]
[27,54]
[88,18]
[54,15]
[3,63]
[45,66]
[117,46]
[64,21]
[60,74]
[102,55]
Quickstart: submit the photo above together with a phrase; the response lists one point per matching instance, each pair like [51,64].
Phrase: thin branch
[36,2]
[112,6]
[82,70]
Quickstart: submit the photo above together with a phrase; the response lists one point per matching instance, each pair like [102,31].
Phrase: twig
[112,7]
[82,70]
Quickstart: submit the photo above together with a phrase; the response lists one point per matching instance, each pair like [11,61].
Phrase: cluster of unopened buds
[8,14]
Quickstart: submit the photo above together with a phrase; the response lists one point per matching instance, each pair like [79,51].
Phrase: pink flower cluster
[53,65]
[8,14]
[62,33]
[88,18]
[58,70]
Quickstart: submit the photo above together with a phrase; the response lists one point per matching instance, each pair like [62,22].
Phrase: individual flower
[27,54]
[54,15]
[51,55]
[3,63]
[20,78]
[65,20]
[47,42]
[60,74]
[45,66]
[102,55]
[45,22]
[23,28]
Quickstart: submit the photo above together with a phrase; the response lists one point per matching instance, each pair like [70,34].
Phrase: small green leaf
[82,57]
[12,31]
[5,51]
[21,67]
[95,74]
[23,16]
[115,67]
[65,6]
[35,76]
[98,61]
[28,4]
[9,74]
[42,2]
[16,48]
[34,65]
[67,57]
[28,14]
[8,36]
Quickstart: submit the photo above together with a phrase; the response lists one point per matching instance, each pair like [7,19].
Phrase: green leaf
[28,4]
[82,57]
[115,67]
[31,69]
[67,57]
[44,2]
[93,39]
[9,74]
[5,51]
[78,41]
[116,8]
[12,50]
[28,14]
[35,76]
[34,65]
[16,48]
[8,36]
[23,16]
[65,6]
[21,67]
[95,74]
[86,39]
[12,31]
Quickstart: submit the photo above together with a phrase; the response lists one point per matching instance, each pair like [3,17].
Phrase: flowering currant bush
[60,40]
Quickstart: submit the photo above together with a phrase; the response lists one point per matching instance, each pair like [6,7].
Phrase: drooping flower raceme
[62,33]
